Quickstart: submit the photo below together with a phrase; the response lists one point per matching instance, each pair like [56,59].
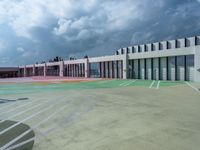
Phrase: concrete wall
[157,61]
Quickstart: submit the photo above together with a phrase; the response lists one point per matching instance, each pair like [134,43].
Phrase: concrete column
[142,69]
[33,73]
[81,68]
[106,69]
[100,70]
[111,69]
[163,68]
[87,70]
[45,70]
[115,69]
[68,70]
[18,72]
[72,70]
[155,69]
[77,70]
[197,64]
[125,66]
[24,71]
[61,69]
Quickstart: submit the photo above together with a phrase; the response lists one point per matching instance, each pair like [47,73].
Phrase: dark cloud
[97,28]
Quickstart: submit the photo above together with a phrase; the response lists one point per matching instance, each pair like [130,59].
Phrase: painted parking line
[17,107]
[34,127]
[190,85]
[152,83]
[70,116]
[33,115]
[101,82]
[21,112]
[20,144]
[124,83]
[9,105]
[158,85]
[17,114]
[28,118]
[130,83]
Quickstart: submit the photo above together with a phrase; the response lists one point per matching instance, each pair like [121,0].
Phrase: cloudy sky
[36,30]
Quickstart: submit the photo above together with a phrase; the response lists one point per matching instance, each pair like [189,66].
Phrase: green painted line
[35,88]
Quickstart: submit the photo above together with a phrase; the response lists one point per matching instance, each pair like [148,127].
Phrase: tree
[86,56]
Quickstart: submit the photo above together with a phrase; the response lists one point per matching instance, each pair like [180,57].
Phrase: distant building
[174,60]
[9,72]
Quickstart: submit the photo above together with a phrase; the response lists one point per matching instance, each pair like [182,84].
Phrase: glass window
[133,49]
[122,51]
[190,60]
[180,61]
[94,70]
[139,49]
[178,44]
[187,43]
[160,46]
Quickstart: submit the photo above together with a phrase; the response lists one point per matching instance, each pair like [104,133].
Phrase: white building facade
[175,60]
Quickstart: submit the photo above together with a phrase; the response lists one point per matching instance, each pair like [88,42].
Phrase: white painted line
[17,114]
[17,107]
[20,144]
[196,89]
[26,119]
[158,85]
[124,83]
[152,83]
[9,105]
[10,110]
[101,82]
[130,83]
[36,138]
[41,136]
[34,127]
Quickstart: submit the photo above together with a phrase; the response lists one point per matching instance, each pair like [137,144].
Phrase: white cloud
[68,26]
[4,60]
[63,27]
[81,23]
[20,49]
[84,34]
[2,46]
[24,15]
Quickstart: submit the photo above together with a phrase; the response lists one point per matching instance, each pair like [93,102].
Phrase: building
[176,60]
[9,72]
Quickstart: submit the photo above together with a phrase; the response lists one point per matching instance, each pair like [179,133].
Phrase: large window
[160,46]
[187,42]
[190,60]
[94,70]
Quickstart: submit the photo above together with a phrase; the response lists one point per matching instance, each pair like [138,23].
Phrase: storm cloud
[37,30]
